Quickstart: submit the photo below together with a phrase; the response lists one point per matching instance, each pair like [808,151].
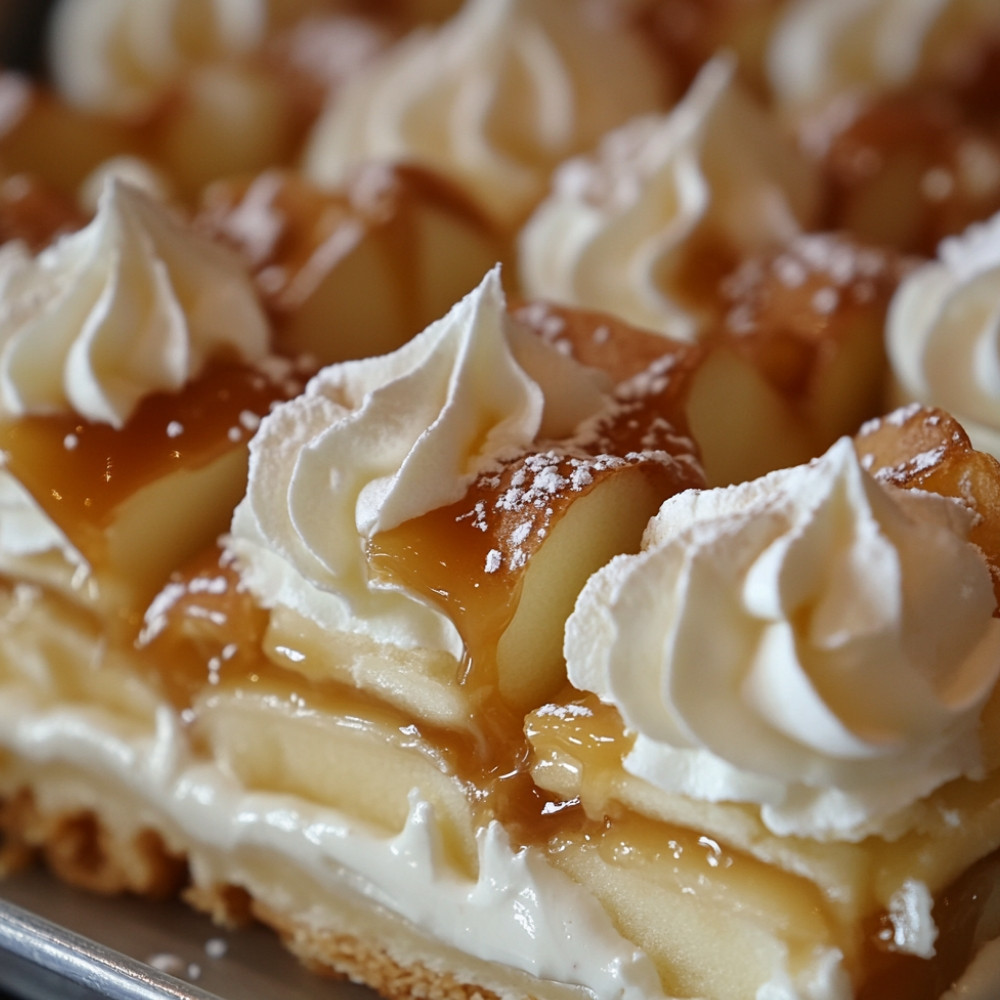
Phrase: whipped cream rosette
[845,628]
[120,56]
[132,308]
[645,227]
[493,99]
[132,304]
[943,332]
[820,51]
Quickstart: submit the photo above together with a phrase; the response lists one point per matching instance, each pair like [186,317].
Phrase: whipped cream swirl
[626,230]
[120,56]
[814,642]
[821,49]
[494,99]
[375,442]
[133,304]
[943,332]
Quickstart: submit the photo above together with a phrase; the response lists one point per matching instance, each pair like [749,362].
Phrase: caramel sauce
[469,557]
[204,628]
[79,471]
[957,912]
[206,632]
[897,453]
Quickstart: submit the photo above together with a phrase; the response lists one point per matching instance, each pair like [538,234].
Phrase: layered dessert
[453,505]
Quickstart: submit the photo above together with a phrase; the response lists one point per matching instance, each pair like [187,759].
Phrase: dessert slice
[829,809]
[391,594]
[358,271]
[129,383]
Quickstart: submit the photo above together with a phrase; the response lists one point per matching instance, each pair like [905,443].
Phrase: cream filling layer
[518,912]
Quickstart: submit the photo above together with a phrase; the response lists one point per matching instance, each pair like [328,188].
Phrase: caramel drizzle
[79,471]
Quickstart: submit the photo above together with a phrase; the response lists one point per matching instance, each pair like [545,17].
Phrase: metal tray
[57,942]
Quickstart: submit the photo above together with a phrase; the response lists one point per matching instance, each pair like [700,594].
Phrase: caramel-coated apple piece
[508,560]
[138,501]
[925,448]
[742,424]
[810,318]
[356,272]
[799,359]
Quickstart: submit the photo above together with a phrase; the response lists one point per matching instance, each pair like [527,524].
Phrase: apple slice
[925,448]
[359,758]
[508,560]
[137,502]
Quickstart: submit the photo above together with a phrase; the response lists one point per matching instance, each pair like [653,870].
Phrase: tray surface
[58,942]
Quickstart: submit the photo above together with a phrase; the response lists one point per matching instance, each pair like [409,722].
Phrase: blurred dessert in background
[495,99]
[359,270]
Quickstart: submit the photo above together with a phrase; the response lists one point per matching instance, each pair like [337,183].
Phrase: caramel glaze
[80,471]
[957,912]
[926,449]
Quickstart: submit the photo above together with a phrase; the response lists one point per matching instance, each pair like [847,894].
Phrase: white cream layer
[519,912]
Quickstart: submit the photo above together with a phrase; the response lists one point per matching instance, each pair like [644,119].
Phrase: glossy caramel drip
[203,627]
[79,471]
[582,727]
[205,632]
[469,557]
[889,975]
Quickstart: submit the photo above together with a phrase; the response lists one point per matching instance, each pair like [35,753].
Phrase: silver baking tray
[57,942]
